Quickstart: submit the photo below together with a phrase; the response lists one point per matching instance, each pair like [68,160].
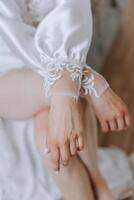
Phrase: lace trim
[88,83]
[54,70]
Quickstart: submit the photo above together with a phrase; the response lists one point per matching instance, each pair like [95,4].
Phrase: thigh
[8,61]
[21,94]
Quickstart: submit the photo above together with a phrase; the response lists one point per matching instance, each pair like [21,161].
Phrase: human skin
[14,92]
[88,156]
[33,86]
[20,87]
[111,112]
[29,95]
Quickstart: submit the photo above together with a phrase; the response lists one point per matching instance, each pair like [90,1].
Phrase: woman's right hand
[65,130]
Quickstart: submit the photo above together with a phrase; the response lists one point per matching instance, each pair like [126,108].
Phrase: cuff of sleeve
[93,84]
[62,77]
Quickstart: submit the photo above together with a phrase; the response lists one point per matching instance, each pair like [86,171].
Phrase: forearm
[21,94]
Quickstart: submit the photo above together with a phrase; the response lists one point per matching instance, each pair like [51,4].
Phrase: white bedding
[24,176]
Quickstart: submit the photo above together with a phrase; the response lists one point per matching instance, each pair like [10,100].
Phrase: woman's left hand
[111,112]
[61,131]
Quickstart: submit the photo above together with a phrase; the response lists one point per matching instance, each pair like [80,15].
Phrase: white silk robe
[45,36]
[22,173]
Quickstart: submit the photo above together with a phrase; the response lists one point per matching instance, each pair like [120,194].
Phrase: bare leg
[23,89]
[73,179]
[88,155]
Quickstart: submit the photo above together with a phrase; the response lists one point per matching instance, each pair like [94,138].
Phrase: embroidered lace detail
[88,85]
[56,68]
[92,83]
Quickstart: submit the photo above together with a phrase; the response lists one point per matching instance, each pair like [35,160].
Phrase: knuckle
[119,114]
[105,118]
[111,118]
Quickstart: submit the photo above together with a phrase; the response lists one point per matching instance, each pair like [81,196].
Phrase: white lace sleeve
[57,48]
[62,40]
[93,83]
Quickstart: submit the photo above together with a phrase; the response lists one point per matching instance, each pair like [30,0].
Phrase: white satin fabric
[62,38]
[46,36]
[22,173]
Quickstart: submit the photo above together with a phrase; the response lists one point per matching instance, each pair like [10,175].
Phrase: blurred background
[112,54]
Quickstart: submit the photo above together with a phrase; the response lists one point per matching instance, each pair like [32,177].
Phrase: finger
[77,144]
[112,125]
[47,145]
[78,127]
[41,131]
[104,127]
[55,156]
[73,146]
[80,142]
[120,123]
[64,152]
[127,120]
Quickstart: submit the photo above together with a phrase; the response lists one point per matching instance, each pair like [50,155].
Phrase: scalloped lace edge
[88,84]
[54,70]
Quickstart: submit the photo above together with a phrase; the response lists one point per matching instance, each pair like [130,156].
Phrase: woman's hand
[21,99]
[65,130]
[111,112]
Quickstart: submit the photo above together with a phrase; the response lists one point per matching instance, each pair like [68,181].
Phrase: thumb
[41,131]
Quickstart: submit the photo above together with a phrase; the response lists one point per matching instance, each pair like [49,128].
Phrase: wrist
[60,99]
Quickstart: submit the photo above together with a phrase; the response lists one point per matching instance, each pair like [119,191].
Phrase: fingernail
[57,172]
[66,163]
